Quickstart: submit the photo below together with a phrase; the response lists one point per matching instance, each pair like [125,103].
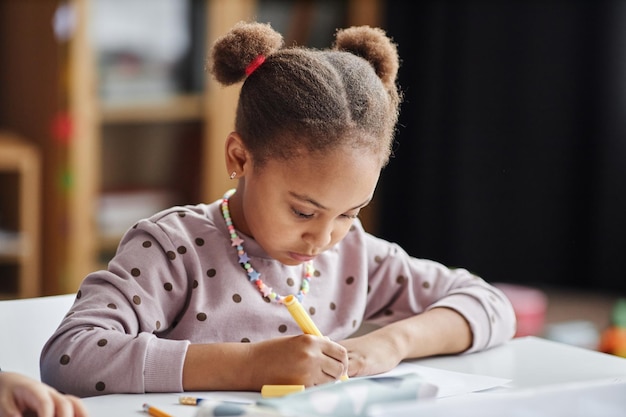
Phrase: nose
[319,235]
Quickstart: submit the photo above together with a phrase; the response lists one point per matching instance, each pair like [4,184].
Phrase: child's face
[299,208]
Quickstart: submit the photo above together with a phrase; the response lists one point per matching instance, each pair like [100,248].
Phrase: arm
[423,309]
[300,360]
[436,331]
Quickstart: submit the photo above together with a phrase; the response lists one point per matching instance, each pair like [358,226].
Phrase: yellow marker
[271,391]
[302,318]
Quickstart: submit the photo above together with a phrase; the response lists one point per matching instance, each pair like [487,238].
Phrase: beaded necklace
[244,260]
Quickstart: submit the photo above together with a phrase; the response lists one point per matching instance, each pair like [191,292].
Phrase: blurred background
[512,137]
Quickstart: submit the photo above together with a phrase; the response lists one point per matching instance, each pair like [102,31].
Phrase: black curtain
[511,151]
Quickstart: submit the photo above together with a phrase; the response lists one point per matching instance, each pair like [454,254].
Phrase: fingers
[19,394]
[67,406]
[337,368]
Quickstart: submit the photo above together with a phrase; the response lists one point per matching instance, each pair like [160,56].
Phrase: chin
[290,262]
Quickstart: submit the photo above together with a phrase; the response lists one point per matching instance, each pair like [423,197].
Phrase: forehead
[346,175]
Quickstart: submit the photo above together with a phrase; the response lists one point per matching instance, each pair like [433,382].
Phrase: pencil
[301,317]
[154,412]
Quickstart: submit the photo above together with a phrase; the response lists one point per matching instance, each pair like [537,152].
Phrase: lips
[300,257]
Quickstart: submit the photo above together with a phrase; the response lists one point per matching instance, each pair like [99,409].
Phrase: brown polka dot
[210,273]
[333,306]
[316,273]
[182,213]
[182,250]
[137,300]
[167,286]
[267,300]
[79,294]
[65,359]
[400,280]
[282,328]
[102,342]
[199,241]
[426,284]
[354,324]
[237,298]
[350,280]
[158,324]
[290,282]
[388,312]
[378,259]
[195,284]
[146,244]
[352,228]
[135,225]
[135,272]
[201,316]
[112,306]
[245,340]
[171,255]
[100,386]
[369,289]
[312,311]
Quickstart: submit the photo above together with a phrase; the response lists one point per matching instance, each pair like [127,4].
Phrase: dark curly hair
[304,99]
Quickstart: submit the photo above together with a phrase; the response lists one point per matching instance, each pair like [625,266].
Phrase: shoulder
[199,223]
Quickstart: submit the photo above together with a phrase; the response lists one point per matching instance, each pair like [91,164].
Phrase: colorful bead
[253,276]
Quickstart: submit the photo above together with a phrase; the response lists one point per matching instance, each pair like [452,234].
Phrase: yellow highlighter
[301,317]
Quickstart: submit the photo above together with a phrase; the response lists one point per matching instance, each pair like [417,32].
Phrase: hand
[370,355]
[298,360]
[20,394]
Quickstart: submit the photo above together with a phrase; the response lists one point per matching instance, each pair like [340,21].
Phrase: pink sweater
[176,280]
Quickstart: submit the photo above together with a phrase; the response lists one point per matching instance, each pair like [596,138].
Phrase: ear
[237,156]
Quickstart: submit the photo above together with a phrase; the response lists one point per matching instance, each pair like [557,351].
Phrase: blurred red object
[529,305]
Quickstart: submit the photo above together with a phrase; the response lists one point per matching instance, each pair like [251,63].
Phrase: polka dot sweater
[176,280]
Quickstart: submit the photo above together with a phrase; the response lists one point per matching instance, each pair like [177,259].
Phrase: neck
[235,205]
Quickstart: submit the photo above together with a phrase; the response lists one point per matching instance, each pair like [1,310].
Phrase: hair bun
[373,45]
[234,51]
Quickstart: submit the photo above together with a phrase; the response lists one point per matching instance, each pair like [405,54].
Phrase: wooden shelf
[20,157]
[180,108]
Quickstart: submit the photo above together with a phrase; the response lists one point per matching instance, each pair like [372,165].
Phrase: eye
[350,216]
[300,214]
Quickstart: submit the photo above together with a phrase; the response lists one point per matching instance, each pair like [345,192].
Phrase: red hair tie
[256,63]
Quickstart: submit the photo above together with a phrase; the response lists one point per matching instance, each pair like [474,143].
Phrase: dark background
[511,151]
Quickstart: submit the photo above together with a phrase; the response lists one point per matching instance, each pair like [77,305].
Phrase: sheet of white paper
[450,383]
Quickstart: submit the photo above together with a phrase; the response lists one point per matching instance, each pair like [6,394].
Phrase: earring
[233,175]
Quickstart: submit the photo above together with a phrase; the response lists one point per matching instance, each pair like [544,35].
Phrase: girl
[192,299]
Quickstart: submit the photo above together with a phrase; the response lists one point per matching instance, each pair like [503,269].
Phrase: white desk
[537,369]
[531,362]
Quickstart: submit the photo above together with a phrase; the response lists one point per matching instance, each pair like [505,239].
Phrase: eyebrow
[317,204]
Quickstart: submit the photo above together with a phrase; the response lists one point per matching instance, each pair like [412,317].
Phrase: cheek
[341,231]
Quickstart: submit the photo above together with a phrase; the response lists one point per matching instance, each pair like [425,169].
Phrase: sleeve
[113,338]
[402,286]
